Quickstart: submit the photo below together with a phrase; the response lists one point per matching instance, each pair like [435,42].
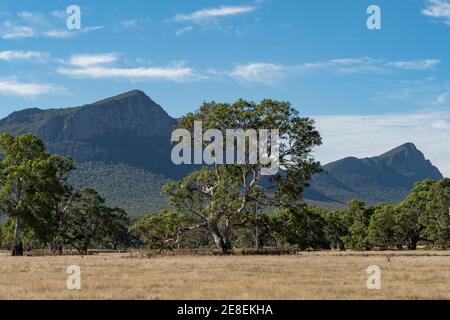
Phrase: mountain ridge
[121,145]
[385,178]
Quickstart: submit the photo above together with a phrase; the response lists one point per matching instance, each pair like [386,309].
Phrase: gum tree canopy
[31,180]
[219,196]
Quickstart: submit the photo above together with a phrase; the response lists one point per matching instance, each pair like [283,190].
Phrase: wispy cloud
[16,88]
[32,17]
[64,33]
[207,14]
[415,64]
[86,60]
[421,92]
[59,14]
[371,135]
[96,66]
[184,30]
[61,34]
[10,31]
[129,23]
[27,24]
[10,55]
[263,73]
[438,9]
[441,98]
[92,29]
[269,73]
[174,74]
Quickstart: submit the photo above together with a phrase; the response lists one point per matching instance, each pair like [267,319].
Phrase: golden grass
[325,275]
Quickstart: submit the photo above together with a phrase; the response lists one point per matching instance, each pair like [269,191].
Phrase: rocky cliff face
[129,128]
[132,113]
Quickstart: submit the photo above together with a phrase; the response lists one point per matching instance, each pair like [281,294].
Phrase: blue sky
[369,90]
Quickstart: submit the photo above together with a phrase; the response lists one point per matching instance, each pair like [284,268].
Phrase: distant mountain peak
[406,147]
[133,96]
[386,178]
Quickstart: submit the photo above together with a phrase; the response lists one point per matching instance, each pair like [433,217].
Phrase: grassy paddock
[313,275]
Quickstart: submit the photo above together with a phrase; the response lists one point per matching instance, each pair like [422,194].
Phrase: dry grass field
[406,275]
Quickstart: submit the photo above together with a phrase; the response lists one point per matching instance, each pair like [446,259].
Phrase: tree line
[221,205]
[422,218]
[43,210]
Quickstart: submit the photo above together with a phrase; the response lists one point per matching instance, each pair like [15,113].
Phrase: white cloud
[15,88]
[22,55]
[129,23]
[206,14]
[184,30]
[32,24]
[177,74]
[93,66]
[263,73]
[371,135]
[415,64]
[11,31]
[441,98]
[31,17]
[269,73]
[59,14]
[61,34]
[64,34]
[92,29]
[370,65]
[439,9]
[86,60]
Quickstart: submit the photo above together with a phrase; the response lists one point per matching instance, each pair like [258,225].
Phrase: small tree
[89,220]
[383,231]
[357,219]
[410,222]
[162,230]
[302,227]
[336,229]
[436,218]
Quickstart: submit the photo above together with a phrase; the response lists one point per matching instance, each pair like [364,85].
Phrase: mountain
[122,148]
[129,128]
[387,178]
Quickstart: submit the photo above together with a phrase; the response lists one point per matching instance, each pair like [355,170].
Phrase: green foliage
[257,231]
[301,227]
[335,228]
[42,209]
[220,197]
[357,219]
[31,180]
[410,223]
[136,190]
[424,216]
[383,228]
[436,218]
[29,239]
[162,230]
[88,220]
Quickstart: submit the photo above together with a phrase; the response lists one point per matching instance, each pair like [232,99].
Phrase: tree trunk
[412,245]
[341,245]
[223,243]
[17,249]
[257,245]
